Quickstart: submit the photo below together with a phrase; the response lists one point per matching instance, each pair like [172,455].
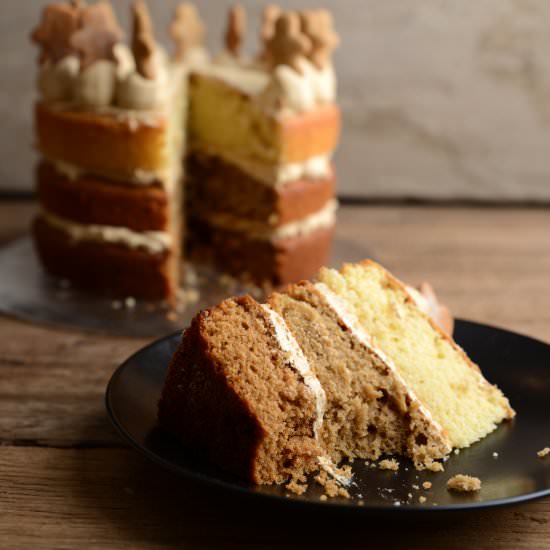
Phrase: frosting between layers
[262,232]
[153,242]
[275,175]
[350,320]
[140,177]
[297,361]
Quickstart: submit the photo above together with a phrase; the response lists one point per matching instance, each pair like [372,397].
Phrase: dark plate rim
[318,504]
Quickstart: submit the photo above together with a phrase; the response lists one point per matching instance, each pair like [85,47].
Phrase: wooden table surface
[67,480]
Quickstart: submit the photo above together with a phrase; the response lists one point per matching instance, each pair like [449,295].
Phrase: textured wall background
[442,99]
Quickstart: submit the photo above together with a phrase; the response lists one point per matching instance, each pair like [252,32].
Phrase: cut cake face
[438,371]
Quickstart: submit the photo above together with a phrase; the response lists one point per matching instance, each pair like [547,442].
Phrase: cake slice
[431,364]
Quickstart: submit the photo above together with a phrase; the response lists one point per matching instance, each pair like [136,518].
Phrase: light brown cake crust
[95,200]
[309,134]
[109,268]
[102,143]
[277,262]
[217,186]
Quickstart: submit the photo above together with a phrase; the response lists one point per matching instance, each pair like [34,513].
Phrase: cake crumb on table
[464,484]
[427,485]
[389,464]
[415,487]
[323,497]
[543,452]
[422,499]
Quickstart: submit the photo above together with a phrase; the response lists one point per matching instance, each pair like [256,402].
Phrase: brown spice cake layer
[217,186]
[93,200]
[101,143]
[231,393]
[279,261]
[109,268]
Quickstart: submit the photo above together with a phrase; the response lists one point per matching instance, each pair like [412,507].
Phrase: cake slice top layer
[432,365]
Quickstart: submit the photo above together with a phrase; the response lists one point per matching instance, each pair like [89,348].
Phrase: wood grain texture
[441,99]
[67,480]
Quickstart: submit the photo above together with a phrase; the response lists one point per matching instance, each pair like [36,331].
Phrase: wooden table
[67,480]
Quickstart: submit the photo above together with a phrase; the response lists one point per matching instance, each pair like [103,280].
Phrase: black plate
[518,364]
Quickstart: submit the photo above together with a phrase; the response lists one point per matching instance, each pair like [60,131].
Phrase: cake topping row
[84,61]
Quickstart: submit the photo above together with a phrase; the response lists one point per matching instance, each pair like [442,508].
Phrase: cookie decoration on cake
[288,43]
[317,26]
[186,29]
[236,26]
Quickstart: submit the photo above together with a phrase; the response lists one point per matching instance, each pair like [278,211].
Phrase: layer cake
[114,122]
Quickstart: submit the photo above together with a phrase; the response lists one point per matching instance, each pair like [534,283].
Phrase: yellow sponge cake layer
[226,121]
[438,371]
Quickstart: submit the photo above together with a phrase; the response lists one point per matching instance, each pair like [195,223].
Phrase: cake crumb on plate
[422,499]
[389,464]
[434,466]
[543,452]
[463,483]
[427,485]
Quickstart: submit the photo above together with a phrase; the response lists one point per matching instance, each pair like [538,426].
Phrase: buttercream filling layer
[154,242]
[323,218]
[297,361]
[140,178]
[339,306]
[275,175]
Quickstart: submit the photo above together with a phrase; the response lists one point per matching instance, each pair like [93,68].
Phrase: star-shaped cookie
[53,34]
[98,33]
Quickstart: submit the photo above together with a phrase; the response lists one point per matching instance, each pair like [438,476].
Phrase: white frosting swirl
[95,85]
[297,92]
[56,82]
[125,60]
[136,92]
